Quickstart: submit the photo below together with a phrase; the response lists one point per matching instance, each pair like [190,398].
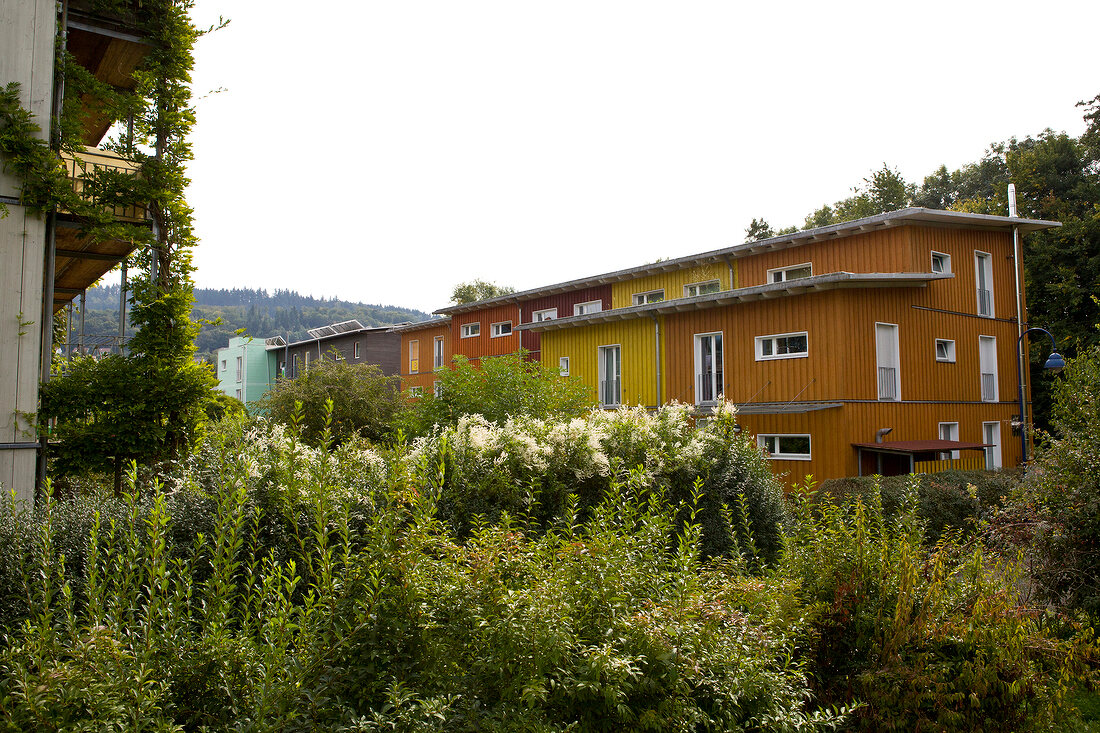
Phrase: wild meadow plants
[533,576]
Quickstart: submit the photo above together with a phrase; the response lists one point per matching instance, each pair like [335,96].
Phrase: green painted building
[247,368]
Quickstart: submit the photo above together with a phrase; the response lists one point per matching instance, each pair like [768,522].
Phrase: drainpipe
[1020,360]
[83,308]
[657,355]
[122,308]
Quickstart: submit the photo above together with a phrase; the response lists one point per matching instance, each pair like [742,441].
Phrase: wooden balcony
[81,261]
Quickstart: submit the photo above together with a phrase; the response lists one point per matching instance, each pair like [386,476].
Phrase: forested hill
[283,313]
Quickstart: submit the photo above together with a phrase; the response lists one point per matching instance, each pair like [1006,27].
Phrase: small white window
[785,447]
[547,314]
[694,289]
[651,296]
[224,367]
[592,306]
[471,329]
[794,272]
[563,366]
[949,431]
[416,391]
[504,328]
[240,395]
[941,263]
[240,368]
[945,350]
[355,351]
[783,346]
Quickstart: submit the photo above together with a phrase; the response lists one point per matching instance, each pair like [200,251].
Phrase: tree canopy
[476,290]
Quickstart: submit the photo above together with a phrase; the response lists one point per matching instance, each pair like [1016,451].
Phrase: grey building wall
[376,346]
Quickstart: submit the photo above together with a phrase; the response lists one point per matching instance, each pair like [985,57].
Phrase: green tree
[364,401]
[501,387]
[758,229]
[476,290]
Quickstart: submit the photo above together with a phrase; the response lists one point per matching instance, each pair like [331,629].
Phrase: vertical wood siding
[426,377]
[581,345]
[886,250]
[564,302]
[672,283]
[476,347]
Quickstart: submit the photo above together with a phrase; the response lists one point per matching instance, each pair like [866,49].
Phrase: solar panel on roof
[335,328]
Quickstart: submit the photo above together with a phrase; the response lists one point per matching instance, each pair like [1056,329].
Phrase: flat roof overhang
[901,217]
[817,283]
[420,325]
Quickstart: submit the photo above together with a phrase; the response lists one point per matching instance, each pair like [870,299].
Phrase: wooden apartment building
[882,345]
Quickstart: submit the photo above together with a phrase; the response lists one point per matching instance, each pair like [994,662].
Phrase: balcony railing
[887,383]
[989,387]
[94,169]
[610,394]
[708,388]
[985,302]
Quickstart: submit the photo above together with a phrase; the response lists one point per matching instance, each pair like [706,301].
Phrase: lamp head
[1055,362]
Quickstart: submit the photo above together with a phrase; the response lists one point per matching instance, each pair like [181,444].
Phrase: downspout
[1020,361]
[122,308]
[729,265]
[657,355]
[83,308]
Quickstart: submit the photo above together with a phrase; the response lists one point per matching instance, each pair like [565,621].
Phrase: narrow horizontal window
[941,263]
[592,306]
[782,346]
[694,289]
[504,328]
[652,296]
[547,314]
[785,447]
[794,272]
[471,329]
[416,391]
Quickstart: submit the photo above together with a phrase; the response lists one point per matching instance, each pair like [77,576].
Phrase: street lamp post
[1054,362]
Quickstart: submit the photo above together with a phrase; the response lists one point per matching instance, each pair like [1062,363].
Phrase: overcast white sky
[385,151]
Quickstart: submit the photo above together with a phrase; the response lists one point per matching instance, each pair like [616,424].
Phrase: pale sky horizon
[383,152]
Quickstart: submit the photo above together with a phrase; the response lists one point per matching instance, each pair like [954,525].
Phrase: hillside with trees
[285,313]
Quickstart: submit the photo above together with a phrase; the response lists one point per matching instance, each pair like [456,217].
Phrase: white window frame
[355,350]
[437,389]
[762,439]
[993,459]
[716,378]
[471,329]
[416,391]
[225,365]
[589,306]
[896,366]
[240,368]
[782,274]
[949,351]
[240,395]
[986,269]
[945,259]
[309,358]
[439,353]
[496,330]
[952,434]
[697,286]
[602,376]
[648,297]
[760,356]
[546,314]
[987,364]
[414,363]
[563,366]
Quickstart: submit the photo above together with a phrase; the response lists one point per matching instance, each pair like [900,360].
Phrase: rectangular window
[709,384]
[297,365]
[337,354]
[991,434]
[437,388]
[439,360]
[987,360]
[651,296]
[282,367]
[546,314]
[983,278]
[414,357]
[949,431]
[309,356]
[794,272]
[240,395]
[888,359]
[694,289]
[416,391]
[941,263]
[470,330]
[563,366]
[945,350]
[224,367]
[504,328]
[782,346]
[785,447]
[240,368]
[592,306]
[355,351]
[611,393]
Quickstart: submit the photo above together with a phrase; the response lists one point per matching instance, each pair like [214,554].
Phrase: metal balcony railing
[94,170]
[989,387]
[887,383]
[610,393]
[985,302]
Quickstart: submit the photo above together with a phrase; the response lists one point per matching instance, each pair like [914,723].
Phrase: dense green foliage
[497,388]
[347,399]
[278,587]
